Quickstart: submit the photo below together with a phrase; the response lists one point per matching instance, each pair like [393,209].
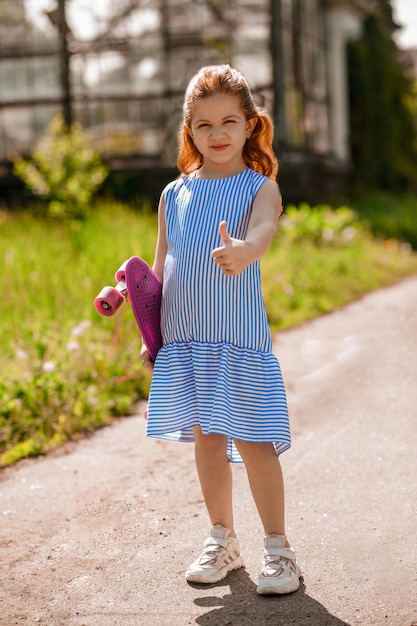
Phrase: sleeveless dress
[216,368]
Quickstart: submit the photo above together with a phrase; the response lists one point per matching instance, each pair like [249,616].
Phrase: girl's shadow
[243,607]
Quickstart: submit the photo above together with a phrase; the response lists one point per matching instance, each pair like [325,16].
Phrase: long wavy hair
[257,153]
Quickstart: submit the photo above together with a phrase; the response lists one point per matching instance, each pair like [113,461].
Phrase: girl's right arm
[158,268]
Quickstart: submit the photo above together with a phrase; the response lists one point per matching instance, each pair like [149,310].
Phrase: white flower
[10,256]
[48,367]
[348,234]
[405,248]
[327,234]
[285,220]
[91,394]
[21,354]
[73,345]
[78,330]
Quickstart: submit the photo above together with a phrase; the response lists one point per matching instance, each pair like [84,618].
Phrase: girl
[215,380]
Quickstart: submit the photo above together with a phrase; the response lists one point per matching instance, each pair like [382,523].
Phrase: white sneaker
[220,556]
[280,572]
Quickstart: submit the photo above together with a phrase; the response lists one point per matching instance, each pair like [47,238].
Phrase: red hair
[258,153]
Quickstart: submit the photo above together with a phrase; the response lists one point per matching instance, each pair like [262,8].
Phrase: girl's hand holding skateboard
[147,362]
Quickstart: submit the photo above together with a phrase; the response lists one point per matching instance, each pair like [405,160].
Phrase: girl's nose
[217,131]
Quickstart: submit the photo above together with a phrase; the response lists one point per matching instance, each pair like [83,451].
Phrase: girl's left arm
[234,255]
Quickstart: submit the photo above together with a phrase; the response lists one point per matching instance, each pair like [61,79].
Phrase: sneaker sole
[265,588]
[216,576]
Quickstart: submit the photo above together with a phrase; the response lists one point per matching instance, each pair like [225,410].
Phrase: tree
[383,126]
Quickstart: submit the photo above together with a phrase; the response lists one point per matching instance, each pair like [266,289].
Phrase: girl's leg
[221,553]
[266,483]
[280,572]
[215,476]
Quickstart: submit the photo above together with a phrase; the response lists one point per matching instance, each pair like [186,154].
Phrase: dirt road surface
[101,532]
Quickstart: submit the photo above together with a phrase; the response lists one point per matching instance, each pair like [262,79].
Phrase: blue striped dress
[216,368]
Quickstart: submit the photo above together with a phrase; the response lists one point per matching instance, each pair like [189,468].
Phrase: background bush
[390,216]
[64,169]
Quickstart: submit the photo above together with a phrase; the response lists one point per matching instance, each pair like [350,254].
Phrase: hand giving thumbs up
[231,256]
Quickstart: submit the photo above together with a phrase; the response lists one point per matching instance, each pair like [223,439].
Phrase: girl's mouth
[220,147]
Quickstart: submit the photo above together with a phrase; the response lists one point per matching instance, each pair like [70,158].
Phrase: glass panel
[28,78]
[39,16]
[3,148]
[23,127]
[305,75]
[19,130]
[251,42]
[295,117]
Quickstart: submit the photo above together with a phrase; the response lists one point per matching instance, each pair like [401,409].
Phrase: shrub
[65,170]
[321,225]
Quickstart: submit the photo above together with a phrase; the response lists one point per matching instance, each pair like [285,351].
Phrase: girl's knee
[255,450]
[211,442]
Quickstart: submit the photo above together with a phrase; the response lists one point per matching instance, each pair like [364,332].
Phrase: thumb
[224,235]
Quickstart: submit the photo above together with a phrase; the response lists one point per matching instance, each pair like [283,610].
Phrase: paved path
[100,533]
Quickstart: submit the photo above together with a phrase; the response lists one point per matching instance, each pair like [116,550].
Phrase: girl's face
[219,130]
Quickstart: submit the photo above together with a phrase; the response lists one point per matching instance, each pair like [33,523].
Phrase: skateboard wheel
[108,301]
[120,275]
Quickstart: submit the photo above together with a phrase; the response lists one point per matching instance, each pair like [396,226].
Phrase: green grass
[321,259]
[315,281]
[65,370]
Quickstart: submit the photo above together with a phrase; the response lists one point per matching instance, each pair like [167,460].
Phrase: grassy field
[65,370]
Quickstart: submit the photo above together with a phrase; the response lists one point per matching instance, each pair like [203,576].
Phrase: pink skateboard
[139,285]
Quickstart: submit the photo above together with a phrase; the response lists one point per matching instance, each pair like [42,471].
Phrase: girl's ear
[250,125]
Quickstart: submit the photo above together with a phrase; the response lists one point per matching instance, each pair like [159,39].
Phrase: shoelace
[210,553]
[279,564]
[214,552]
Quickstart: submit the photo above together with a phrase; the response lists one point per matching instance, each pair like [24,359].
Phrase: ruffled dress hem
[224,389]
